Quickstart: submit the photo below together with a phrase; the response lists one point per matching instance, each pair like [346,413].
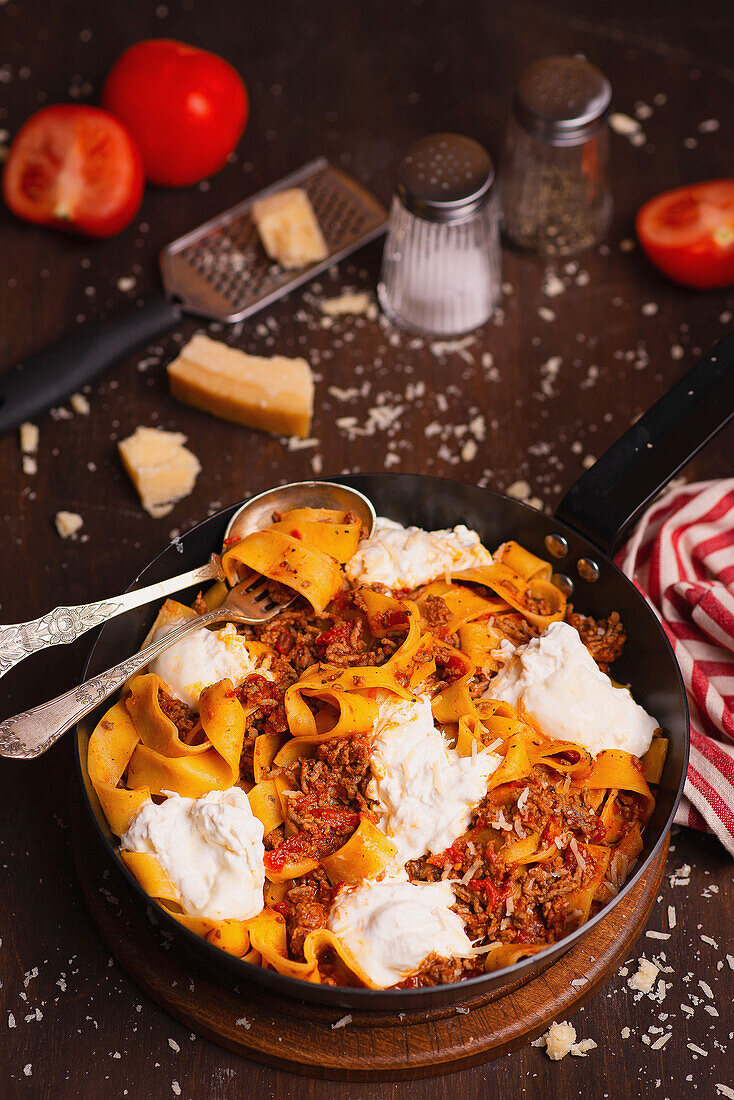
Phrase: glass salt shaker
[553,175]
[441,264]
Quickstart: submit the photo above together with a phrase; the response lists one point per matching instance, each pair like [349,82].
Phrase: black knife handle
[47,377]
[610,496]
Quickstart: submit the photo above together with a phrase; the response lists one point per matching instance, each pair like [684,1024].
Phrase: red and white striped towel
[681,555]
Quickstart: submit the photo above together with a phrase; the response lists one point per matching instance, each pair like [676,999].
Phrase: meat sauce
[496,898]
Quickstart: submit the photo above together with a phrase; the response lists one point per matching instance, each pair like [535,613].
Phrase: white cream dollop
[391,925]
[425,790]
[405,557]
[211,847]
[202,658]
[565,692]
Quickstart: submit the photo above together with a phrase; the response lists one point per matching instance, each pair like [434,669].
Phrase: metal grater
[221,271]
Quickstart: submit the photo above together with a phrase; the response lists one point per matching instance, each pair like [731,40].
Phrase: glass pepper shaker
[553,174]
[441,264]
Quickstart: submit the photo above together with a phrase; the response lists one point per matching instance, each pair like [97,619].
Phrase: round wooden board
[374,1046]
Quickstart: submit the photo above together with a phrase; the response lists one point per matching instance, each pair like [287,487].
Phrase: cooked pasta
[413,826]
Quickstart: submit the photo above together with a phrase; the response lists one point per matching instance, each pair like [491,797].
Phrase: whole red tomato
[75,168]
[688,233]
[186,107]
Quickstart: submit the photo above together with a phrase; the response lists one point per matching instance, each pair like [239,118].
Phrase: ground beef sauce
[499,901]
[184,718]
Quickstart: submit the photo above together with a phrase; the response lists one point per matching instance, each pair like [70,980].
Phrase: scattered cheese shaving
[29,438]
[347,303]
[68,524]
[342,1022]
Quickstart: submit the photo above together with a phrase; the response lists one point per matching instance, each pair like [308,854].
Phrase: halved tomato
[688,233]
[76,168]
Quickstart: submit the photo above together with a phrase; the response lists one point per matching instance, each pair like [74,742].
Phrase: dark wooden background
[357,82]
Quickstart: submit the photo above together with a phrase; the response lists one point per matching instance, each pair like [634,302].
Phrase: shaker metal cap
[562,100]
[444,177]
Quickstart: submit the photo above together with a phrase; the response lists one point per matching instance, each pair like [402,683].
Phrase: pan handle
[609,497]
[46,378]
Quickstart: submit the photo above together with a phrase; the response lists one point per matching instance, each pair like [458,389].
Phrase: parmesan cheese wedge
[274,395]
[289,229]
[162,470]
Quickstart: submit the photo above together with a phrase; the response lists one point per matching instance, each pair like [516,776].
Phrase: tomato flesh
[186,107]
[688,233]
[302,845]
[76,168]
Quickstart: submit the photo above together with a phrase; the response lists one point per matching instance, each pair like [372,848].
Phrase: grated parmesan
[470,873]
[579,858]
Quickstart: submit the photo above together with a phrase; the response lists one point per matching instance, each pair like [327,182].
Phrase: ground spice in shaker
[553,174]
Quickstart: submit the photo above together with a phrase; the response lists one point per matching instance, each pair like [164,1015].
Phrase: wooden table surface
[357,82]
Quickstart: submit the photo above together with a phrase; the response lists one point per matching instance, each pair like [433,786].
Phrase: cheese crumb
[68,524]
[560,1040]
[29,438]
[29,464]
[162,470]
[623,124]
[519,490]
[347,303]
[644,980]
[79,404]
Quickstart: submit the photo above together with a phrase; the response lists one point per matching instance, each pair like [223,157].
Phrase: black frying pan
[590,519]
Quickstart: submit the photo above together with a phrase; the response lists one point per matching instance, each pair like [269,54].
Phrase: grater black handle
[47,377]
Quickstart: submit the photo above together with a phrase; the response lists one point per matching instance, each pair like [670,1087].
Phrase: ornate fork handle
[34,731]
[66,624]
[63,624]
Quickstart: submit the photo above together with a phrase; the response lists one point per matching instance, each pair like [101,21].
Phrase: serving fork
[34,731]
